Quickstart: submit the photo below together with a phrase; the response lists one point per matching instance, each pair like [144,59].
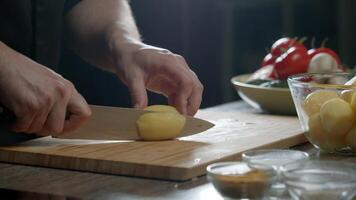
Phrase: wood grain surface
[180,159]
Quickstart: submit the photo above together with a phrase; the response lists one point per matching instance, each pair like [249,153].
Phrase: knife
[115,123]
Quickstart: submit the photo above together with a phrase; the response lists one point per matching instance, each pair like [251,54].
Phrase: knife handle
[6,116]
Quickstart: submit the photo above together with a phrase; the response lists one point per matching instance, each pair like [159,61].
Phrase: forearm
[92,26]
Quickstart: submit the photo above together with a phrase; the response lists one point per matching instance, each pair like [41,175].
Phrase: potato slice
[347,95]
[162,108]
[337,117]
[164,124]
[313,102]
[351,138]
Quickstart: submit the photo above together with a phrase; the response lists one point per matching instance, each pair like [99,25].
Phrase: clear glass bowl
[237,180]
[274,158]
[326,110]
[332,180]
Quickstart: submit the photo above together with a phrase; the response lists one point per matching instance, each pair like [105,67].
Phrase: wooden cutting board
[181,159]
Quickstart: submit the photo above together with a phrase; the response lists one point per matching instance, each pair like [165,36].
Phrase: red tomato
[313,52]
[269,59]
[284,44]
[294,61]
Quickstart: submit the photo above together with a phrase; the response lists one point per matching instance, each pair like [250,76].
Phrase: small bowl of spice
[238,180]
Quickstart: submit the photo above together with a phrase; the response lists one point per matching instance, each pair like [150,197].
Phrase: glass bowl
[237,180]
[274,158]
[326,109]
[320,180]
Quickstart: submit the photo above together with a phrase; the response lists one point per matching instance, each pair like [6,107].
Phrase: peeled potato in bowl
[327,112]
[314,100]
[163,123]
[337,117]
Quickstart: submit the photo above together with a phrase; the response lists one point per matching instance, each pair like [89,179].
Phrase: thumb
[79,111]
[138,92]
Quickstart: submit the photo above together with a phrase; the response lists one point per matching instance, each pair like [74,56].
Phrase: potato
[347,95]
[314,100]
[164,124]
[162,108]
[316,130]
[317,135]
[337,117]
[353,101]
[333,142]
[351,138]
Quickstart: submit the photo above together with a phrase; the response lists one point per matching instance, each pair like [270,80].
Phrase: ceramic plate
[271,100]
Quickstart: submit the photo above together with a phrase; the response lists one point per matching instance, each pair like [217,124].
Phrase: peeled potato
[161,108]
[316,130]
[333,142]
[351,139]
[164,124]
[337,117]
[313,102]
[317,135]
[353,101]
[347,95]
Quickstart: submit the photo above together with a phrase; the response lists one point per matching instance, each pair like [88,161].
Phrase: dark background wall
[220,39]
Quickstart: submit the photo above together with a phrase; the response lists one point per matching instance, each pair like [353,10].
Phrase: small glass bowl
[237,180]
[317,179]
[274,158]
[330,127]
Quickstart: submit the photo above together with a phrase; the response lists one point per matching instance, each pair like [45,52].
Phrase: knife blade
[115,123]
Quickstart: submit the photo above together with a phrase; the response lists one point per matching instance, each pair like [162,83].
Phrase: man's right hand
[39,97]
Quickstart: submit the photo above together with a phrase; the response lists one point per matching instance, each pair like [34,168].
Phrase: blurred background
[220,39]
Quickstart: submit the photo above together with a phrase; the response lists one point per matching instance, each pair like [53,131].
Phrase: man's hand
[38,97]
[160,71]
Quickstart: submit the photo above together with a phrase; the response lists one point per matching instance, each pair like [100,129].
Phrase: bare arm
[97,28]
[104,33]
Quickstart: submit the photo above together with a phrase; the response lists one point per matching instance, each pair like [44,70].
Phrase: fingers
[138,91]
[188,98]
[189,92]
[39,120]
[55,120]
[195,98]
[23,122]
[49,117]
[163,72]
[79,112]
[56,116]
[26,116]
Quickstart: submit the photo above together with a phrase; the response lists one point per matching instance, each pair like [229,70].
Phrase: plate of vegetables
[267,87]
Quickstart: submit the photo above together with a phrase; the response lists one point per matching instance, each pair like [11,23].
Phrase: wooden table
[84,185]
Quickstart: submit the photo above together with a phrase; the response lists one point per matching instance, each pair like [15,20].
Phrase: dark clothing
[33,28]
